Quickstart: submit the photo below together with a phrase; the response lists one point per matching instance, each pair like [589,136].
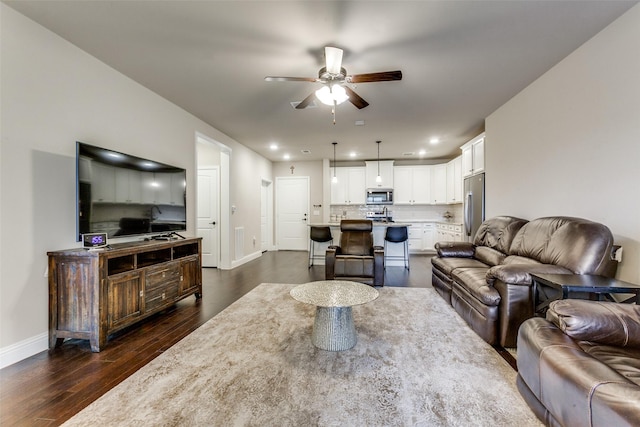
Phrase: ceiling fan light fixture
[333,58]
[330,95]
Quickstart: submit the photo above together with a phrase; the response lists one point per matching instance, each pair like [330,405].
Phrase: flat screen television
[123,195]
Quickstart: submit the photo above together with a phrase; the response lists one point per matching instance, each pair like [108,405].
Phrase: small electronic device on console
[94,240]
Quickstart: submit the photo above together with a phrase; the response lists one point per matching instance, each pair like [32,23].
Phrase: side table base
[333,329]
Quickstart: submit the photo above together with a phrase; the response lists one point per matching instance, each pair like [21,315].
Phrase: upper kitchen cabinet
[454,180]
[439,184]
[386,173]
[350,188]
[473,156]
[412,185]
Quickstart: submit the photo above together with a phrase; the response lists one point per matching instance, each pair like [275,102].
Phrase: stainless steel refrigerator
[473,205]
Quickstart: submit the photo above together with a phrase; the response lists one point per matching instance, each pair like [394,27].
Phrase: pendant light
[378,178]
[335,178]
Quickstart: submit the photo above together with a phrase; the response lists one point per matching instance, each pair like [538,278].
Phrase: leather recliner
[489,282]
[581,365]
[356,258]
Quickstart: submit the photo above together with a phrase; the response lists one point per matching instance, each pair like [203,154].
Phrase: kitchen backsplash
[402,212]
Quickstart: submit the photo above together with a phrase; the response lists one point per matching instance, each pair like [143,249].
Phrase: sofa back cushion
[489,256]
[577,244]
[498,232]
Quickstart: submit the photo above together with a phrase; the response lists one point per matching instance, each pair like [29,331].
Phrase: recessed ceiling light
[352,154]
[434,140]
[359,122]
[305,151]
[422,152]
[273,146]
[286,157]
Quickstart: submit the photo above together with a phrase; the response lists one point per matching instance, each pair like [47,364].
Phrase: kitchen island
[379,230]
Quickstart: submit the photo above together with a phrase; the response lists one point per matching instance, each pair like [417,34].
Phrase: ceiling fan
[333,78]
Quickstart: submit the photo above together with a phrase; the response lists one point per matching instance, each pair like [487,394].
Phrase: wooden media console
[95,293]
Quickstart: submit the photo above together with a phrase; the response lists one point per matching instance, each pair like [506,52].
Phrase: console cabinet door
[190,275]
[124,298]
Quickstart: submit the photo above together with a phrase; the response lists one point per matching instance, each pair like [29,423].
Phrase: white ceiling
[461,60]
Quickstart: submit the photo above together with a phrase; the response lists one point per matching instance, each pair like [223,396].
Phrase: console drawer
[160,296]
[156,277]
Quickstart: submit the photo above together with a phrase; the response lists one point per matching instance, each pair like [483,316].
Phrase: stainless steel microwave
[379,196]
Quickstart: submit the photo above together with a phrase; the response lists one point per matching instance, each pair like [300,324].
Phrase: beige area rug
[416,363]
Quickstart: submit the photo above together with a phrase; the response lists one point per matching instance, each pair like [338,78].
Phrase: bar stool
[398,234]
[320,235]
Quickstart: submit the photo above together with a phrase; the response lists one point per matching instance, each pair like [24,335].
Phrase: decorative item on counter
[447,216]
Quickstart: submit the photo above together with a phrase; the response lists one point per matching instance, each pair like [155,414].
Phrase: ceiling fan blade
[333,59]
[290,79]
[305,102]
[384,76]
[355,99]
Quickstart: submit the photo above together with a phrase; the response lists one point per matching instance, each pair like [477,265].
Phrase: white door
[292,205]
[208,215]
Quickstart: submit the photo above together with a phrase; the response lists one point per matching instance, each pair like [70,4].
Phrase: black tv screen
[124,195]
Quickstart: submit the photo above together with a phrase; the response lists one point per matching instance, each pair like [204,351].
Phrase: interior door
[207,213]
[292,205]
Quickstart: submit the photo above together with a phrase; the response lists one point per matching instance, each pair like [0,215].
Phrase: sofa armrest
[607,323]
[455,249]
[520,274]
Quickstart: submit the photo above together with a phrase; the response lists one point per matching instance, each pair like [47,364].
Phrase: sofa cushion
[624,360]
[607,323]
[475,282]
[447,265]
[498,232]
[489,256]
[582,246]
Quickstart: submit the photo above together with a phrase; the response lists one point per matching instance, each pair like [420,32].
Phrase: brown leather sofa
[488,281]
[581,365]
[356,258]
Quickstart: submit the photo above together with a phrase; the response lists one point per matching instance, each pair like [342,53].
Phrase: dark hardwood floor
[50,387]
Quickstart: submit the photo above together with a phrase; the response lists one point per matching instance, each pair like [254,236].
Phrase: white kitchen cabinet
[428,236]
[103,183]
[473,156]
[386,173]
[454,180]
[439,184]
[448,233]
[178,186]
[351,186]
[415,237]
[128,187]
[156,188]
[412,185]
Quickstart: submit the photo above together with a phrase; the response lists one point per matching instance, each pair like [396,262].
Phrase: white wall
[54,94]
[569,144]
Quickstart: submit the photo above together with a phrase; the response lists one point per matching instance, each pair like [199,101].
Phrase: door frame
[268,184]
[224,199]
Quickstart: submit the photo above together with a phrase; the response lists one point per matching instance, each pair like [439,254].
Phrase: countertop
[397,223]
[375,224]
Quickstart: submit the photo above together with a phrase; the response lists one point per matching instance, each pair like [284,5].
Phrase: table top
[334,293]
[585,281]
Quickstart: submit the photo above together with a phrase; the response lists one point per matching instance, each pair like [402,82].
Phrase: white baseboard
[245,259]
[23,349]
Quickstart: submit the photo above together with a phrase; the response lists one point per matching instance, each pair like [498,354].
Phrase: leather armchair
[356,258]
